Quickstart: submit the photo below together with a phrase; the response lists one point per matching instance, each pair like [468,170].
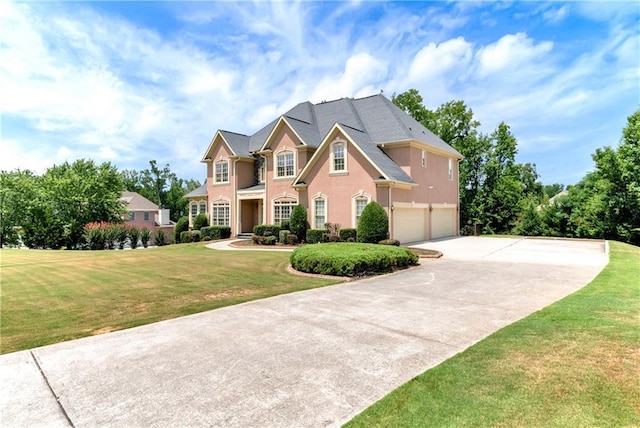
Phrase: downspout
[458,198]
[390,209]
[235,195]
[264,202]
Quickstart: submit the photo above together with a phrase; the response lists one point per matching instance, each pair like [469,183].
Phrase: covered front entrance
[251,209]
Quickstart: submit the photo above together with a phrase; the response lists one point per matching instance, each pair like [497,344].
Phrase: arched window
[222,171]
[319,211]
[285,163]
[282,209]
[338,156]
[359,201]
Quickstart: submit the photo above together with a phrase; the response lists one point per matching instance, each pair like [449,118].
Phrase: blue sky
[128,82]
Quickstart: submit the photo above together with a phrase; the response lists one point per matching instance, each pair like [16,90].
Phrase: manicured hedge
[351,259]
[314,236]
[190,236]
[211,233]
[266,230]
[373,226]
[348,234]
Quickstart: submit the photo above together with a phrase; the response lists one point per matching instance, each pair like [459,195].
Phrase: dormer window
[222,171]
[285,164]
[339,156]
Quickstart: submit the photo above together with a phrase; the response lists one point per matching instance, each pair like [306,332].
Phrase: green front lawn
[52,296]
[573,364]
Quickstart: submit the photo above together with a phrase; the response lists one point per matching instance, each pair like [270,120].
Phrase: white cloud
[510,53]
[556,15]
[433,61]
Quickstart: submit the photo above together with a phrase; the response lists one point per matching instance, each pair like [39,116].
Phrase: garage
[409,224]
[443,222]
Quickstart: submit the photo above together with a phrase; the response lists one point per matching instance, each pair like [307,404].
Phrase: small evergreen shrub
[121,236]
[185,237]
[354,259]
[283,236]
[270,240]
[298,223]
[200,221]
[348,233]
[291,239]
[159,237]
[285,225]
[390,242]
[373,226]
[145,236]
[315,236]
[181,226]
[212,233]
[206,234]
[194,236]
[134,236]
[110,236]
[266,229]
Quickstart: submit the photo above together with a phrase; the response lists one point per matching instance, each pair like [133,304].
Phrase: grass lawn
[53,296]
[573,364]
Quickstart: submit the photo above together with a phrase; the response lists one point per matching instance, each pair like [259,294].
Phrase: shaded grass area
[53,296]
[574,363]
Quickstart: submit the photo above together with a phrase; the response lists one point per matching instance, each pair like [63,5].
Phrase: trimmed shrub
[283,236]
[145,236]
[285,225]
[181,226]
[291,239]
[390,242]
[159,237]
[212,233]
[348,233]
[314,236]
[351,259]
[194,236]
[298,223]
[270,240]
[200,221]
[184,237]
[266,230]
[373,226]
[134,236]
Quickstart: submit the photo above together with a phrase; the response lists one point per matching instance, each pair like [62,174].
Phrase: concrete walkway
[307,359]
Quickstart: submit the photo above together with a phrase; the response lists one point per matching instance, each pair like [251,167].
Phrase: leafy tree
[161,186]
[373,225]
[298,221]
[18,194]
[552,190]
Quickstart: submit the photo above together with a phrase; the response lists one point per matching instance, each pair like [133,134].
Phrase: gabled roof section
[387,168]
[134,201]
[238,143]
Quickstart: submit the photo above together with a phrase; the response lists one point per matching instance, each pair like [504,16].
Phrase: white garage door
[443,222]
[409,224]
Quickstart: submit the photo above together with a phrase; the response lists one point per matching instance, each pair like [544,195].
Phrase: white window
[132,216]
[285,164]
[220,214]
[320,212]
[203,207]
[282,210]
[261,175]
[358,202]
[450,169]
[361,202]
[194,209]
[424,159]
[222,172]
[338,157]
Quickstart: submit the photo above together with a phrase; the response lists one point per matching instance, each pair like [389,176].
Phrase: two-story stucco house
[334,158]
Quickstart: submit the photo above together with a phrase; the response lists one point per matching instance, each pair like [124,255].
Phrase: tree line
[52,209]
[503,196]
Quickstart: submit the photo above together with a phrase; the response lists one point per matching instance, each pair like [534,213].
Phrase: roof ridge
[357,115]
[387,103]
[236,133]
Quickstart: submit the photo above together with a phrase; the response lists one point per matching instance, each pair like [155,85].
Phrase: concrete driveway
[308,359]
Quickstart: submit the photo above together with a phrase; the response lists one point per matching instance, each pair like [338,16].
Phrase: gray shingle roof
[369,121]
[134,201]
[200,191]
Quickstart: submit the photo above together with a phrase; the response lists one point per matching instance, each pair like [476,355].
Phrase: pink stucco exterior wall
[221,191]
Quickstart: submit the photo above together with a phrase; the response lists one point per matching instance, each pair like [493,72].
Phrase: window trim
[317,198]
[450,169]
[424,158]
[282,153]
[216,206]
[279,201]
[215,171]
[146,216]
[332,159]
[361,195]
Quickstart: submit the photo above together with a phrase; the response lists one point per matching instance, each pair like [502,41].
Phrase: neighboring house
[334,158]
[141,212]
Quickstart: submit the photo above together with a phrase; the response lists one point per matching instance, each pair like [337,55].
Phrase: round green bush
[351,259]
[181,226]
[200,221]
[373,226]
[298,224]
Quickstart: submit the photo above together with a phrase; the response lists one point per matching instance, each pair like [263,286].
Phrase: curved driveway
[308,359]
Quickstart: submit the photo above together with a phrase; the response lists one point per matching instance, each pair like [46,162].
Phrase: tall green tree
[17,196]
